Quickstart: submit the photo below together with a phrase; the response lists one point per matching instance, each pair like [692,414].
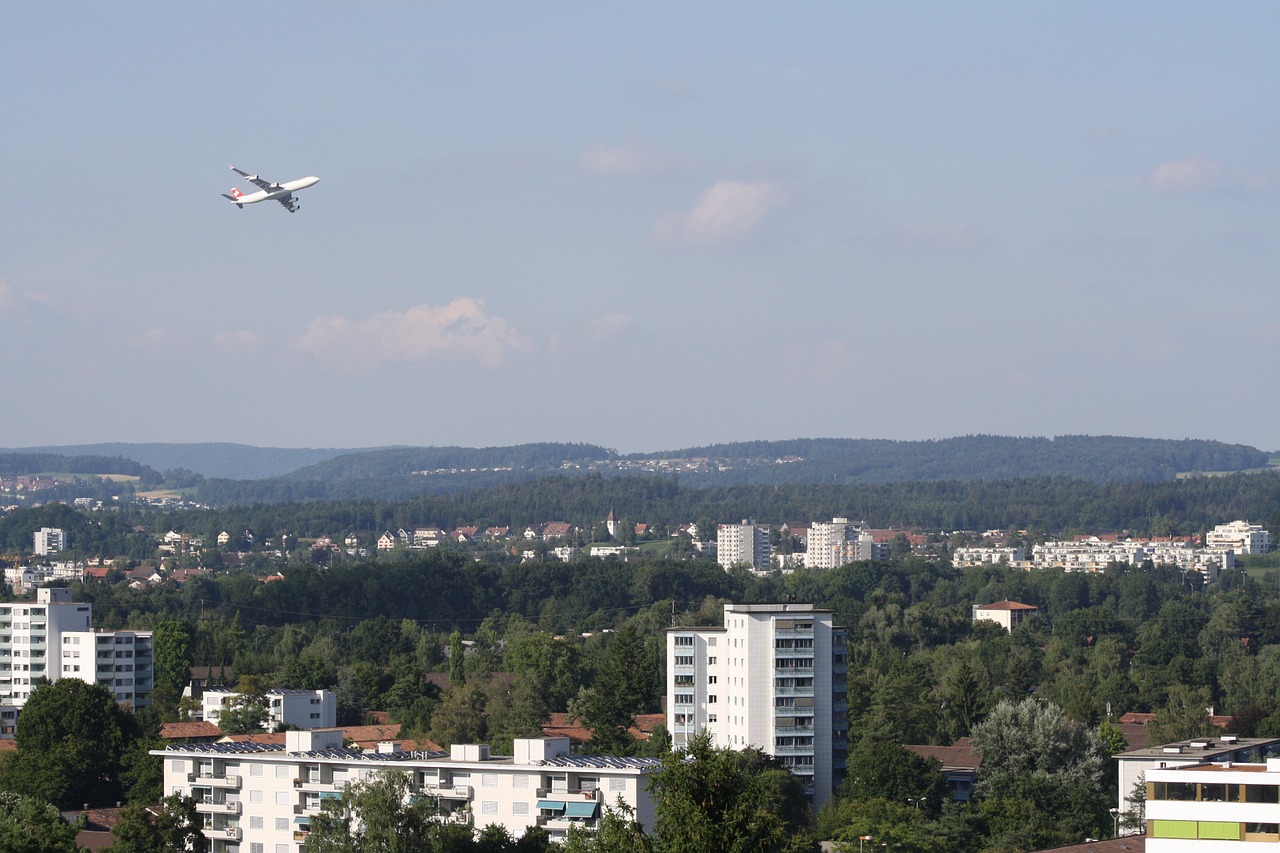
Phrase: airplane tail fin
[234,197]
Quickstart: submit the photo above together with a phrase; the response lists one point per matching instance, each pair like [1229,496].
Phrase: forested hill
[406,473]
[1098,459]
[212,459]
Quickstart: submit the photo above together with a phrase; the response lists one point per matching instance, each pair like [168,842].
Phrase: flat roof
[1199,748]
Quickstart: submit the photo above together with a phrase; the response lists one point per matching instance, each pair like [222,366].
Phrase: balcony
[447,792]
[794,691]
[793,730]
[222,833]
[208,806]
[806,749]
[218,781]
[797,671]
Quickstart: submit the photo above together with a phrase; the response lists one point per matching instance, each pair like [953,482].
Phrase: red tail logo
[236,193]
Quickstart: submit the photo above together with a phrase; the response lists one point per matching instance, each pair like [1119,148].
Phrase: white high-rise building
[53,638]
[838,542]
[49,540]
[745,544]
[1240,536]
[774,678]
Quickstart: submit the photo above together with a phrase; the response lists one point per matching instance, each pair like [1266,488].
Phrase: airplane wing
[289,202]
[253,179]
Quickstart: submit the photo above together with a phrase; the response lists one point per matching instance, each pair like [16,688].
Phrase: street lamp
[862,838]
[916,800]
[1115,822]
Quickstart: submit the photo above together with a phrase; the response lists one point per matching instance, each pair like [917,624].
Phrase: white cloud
[608,327]
[237,343]
[463,330]
[635,159]
[158,342]
[1190,174]
[726,212]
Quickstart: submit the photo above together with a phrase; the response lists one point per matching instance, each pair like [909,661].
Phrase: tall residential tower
[774,678]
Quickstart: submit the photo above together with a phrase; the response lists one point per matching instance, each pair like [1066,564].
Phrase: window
[255,769]
[711,661]
[255,797]
[283,771]
[617,783]
[282,848]
[489,807]
[711,718]
[711,679]
[282,823]
[684,641]
[255,821]
[520,781]
[520,808]
[489,780]
[711,700]
[684,699]
[255,847]
[684,680]
[684,660]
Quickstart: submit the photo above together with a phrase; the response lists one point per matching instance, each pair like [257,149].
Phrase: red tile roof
[189,730]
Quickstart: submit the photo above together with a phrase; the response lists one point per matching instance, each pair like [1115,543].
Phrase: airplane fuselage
[277,192]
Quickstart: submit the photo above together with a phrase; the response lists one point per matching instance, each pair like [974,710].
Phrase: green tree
[71,738]
[457,659]
[1041,779]
[622,688]
[177,827]
[618,832]
[378,816]
[710,799]
[30,825]
[172,656]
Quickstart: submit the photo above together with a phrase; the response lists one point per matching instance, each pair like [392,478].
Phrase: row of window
[1213,792]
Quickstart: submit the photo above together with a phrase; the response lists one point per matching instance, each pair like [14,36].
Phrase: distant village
[746,544]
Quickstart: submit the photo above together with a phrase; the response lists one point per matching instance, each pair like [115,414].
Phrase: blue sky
[640,225]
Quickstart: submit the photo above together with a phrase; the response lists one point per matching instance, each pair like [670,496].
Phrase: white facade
[1213,808]
[773,678]
[982,556]
[824,538]
[744,544]
[306,709]
[1240,536]
[49,540]
[54,635]
[1094,555]
[260,799]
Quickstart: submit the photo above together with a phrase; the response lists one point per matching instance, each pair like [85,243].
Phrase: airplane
[268,191]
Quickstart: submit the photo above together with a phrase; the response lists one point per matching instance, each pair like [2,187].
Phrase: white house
[306,709]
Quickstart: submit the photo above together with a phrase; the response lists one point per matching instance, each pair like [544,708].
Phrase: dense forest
[1055,505]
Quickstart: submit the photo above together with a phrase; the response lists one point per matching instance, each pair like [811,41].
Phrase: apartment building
[305,709]
[49,540]
[1240,536]
[773,677]
[260,798]
[744,544]
[1136,765]
[1215,807]
[53,638]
